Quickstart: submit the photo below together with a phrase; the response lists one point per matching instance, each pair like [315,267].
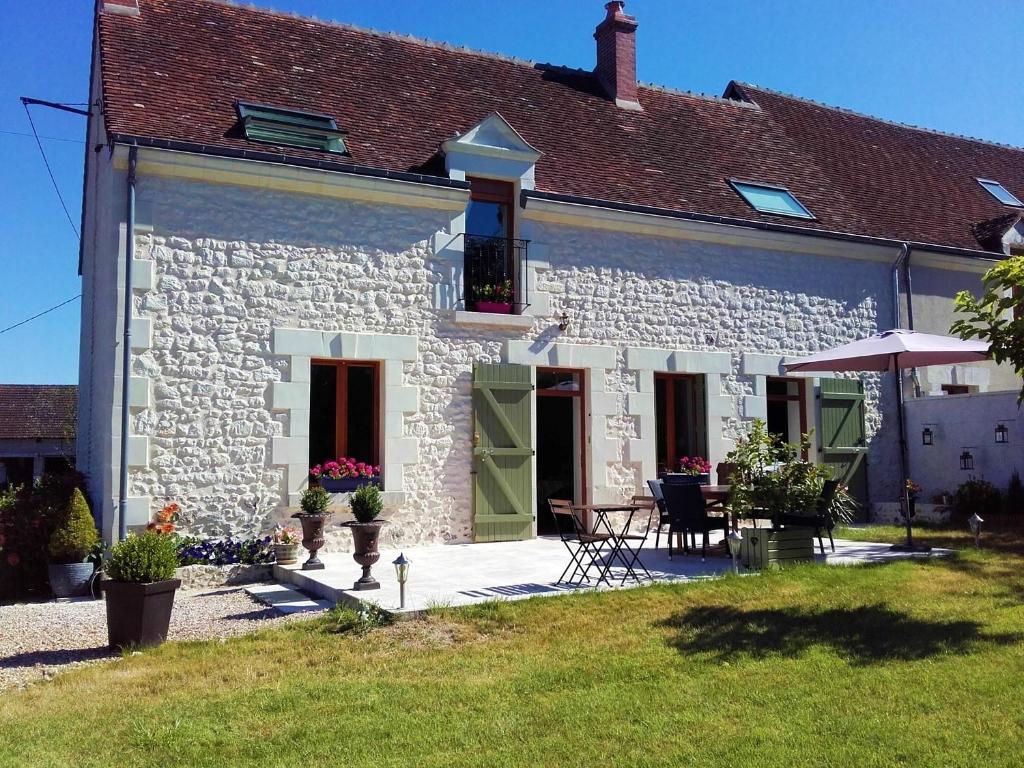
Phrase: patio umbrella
[892,351]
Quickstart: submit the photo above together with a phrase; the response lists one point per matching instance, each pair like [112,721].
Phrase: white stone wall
[231,265]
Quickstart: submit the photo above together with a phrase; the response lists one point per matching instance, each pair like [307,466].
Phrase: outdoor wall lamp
[974,521]
[966,460]
[927,436]
[563,322]
[734,540]
[1002,434]
[401,564]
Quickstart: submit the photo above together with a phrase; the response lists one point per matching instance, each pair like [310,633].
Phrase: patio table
[601,512]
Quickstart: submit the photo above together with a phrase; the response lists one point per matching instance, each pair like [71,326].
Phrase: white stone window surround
[301,346]
[762,366]
[595,361]
[492,149]
[646,362]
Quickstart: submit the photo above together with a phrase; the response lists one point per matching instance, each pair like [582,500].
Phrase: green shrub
[977,495]
[75,536]
[366,503]
[1014,499]
[28,517]
[315,500]
[143,558]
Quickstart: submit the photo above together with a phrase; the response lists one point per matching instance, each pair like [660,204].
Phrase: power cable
[49,170]
[44,312]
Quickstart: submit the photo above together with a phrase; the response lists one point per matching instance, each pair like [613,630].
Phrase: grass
[910,663]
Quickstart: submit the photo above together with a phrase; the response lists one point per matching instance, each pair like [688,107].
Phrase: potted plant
[286,545]
[139,589]
[344,475]
[366,505]
[497,297]
[314,514]
[71,544]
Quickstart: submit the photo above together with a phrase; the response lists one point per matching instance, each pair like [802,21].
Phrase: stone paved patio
[462,574]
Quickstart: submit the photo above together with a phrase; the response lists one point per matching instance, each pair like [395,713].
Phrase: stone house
[37,431]
[498,280]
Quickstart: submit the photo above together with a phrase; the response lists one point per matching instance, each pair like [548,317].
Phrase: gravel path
[39,639]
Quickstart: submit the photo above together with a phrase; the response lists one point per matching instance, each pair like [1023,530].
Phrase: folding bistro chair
[688,513]
[647,512]
[584,547]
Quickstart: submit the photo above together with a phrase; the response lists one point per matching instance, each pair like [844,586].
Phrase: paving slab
[286,600]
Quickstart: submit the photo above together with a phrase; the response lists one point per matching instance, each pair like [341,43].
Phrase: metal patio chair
[819,519]
[688,513]
[647,513]
[659,501]
[584,547]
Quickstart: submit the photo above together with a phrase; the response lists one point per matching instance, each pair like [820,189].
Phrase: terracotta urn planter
[312,537]
[366,537]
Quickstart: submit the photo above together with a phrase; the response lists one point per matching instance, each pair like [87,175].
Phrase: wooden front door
[502,452]
[843,445]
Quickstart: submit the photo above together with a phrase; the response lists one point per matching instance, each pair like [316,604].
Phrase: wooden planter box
[770,547]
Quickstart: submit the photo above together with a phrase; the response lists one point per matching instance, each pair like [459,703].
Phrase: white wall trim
[300,346]
[288,178]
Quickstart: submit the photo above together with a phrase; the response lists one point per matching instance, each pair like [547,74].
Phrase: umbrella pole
[904,500]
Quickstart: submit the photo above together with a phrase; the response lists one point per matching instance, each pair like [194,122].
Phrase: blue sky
[944,64]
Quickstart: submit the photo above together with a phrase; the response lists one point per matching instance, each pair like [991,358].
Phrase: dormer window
[291,128]
[1000,193]
[766,198]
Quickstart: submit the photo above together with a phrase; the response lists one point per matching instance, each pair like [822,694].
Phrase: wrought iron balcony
[494,279]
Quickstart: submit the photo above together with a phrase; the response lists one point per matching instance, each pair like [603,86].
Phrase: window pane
[360,435]
[660,408]
[322,413]
[560,381]
[487,219]
[771,200]
[1000,193]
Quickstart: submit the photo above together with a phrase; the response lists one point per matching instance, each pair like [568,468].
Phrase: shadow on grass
[864,635]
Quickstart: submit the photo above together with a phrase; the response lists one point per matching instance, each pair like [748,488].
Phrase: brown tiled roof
[28,411]
[176,71]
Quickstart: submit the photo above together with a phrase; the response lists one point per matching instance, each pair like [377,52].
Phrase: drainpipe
[126,347]
[910,316]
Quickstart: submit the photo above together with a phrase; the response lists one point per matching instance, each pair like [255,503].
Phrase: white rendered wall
[215,424]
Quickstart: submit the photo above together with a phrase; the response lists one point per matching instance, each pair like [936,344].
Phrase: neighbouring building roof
[29,411]
[177,69]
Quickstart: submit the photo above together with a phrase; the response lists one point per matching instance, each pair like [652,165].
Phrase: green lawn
[912,663]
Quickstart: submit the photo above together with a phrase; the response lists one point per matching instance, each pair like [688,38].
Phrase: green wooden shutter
[843,444]
[502,453]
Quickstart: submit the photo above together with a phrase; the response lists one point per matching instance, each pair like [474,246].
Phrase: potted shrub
[286,545]
[139,589]
[314,514]
[71,544]
[496,298]
[344,475]
[366,505]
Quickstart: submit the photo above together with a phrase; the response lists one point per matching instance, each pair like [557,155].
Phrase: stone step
[286,600]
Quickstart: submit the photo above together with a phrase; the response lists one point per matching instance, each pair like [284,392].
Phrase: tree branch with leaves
[997,317]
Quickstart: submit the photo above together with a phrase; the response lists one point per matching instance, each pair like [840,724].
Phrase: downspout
[126,347]
[901,258]
[910,316]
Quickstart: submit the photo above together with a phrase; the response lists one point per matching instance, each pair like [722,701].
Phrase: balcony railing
[495,272]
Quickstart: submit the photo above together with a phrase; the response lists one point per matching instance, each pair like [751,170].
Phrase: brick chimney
[616,55]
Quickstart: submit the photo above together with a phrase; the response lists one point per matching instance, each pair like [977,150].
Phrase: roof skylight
[291,127]
[767,198]
[1000,193]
